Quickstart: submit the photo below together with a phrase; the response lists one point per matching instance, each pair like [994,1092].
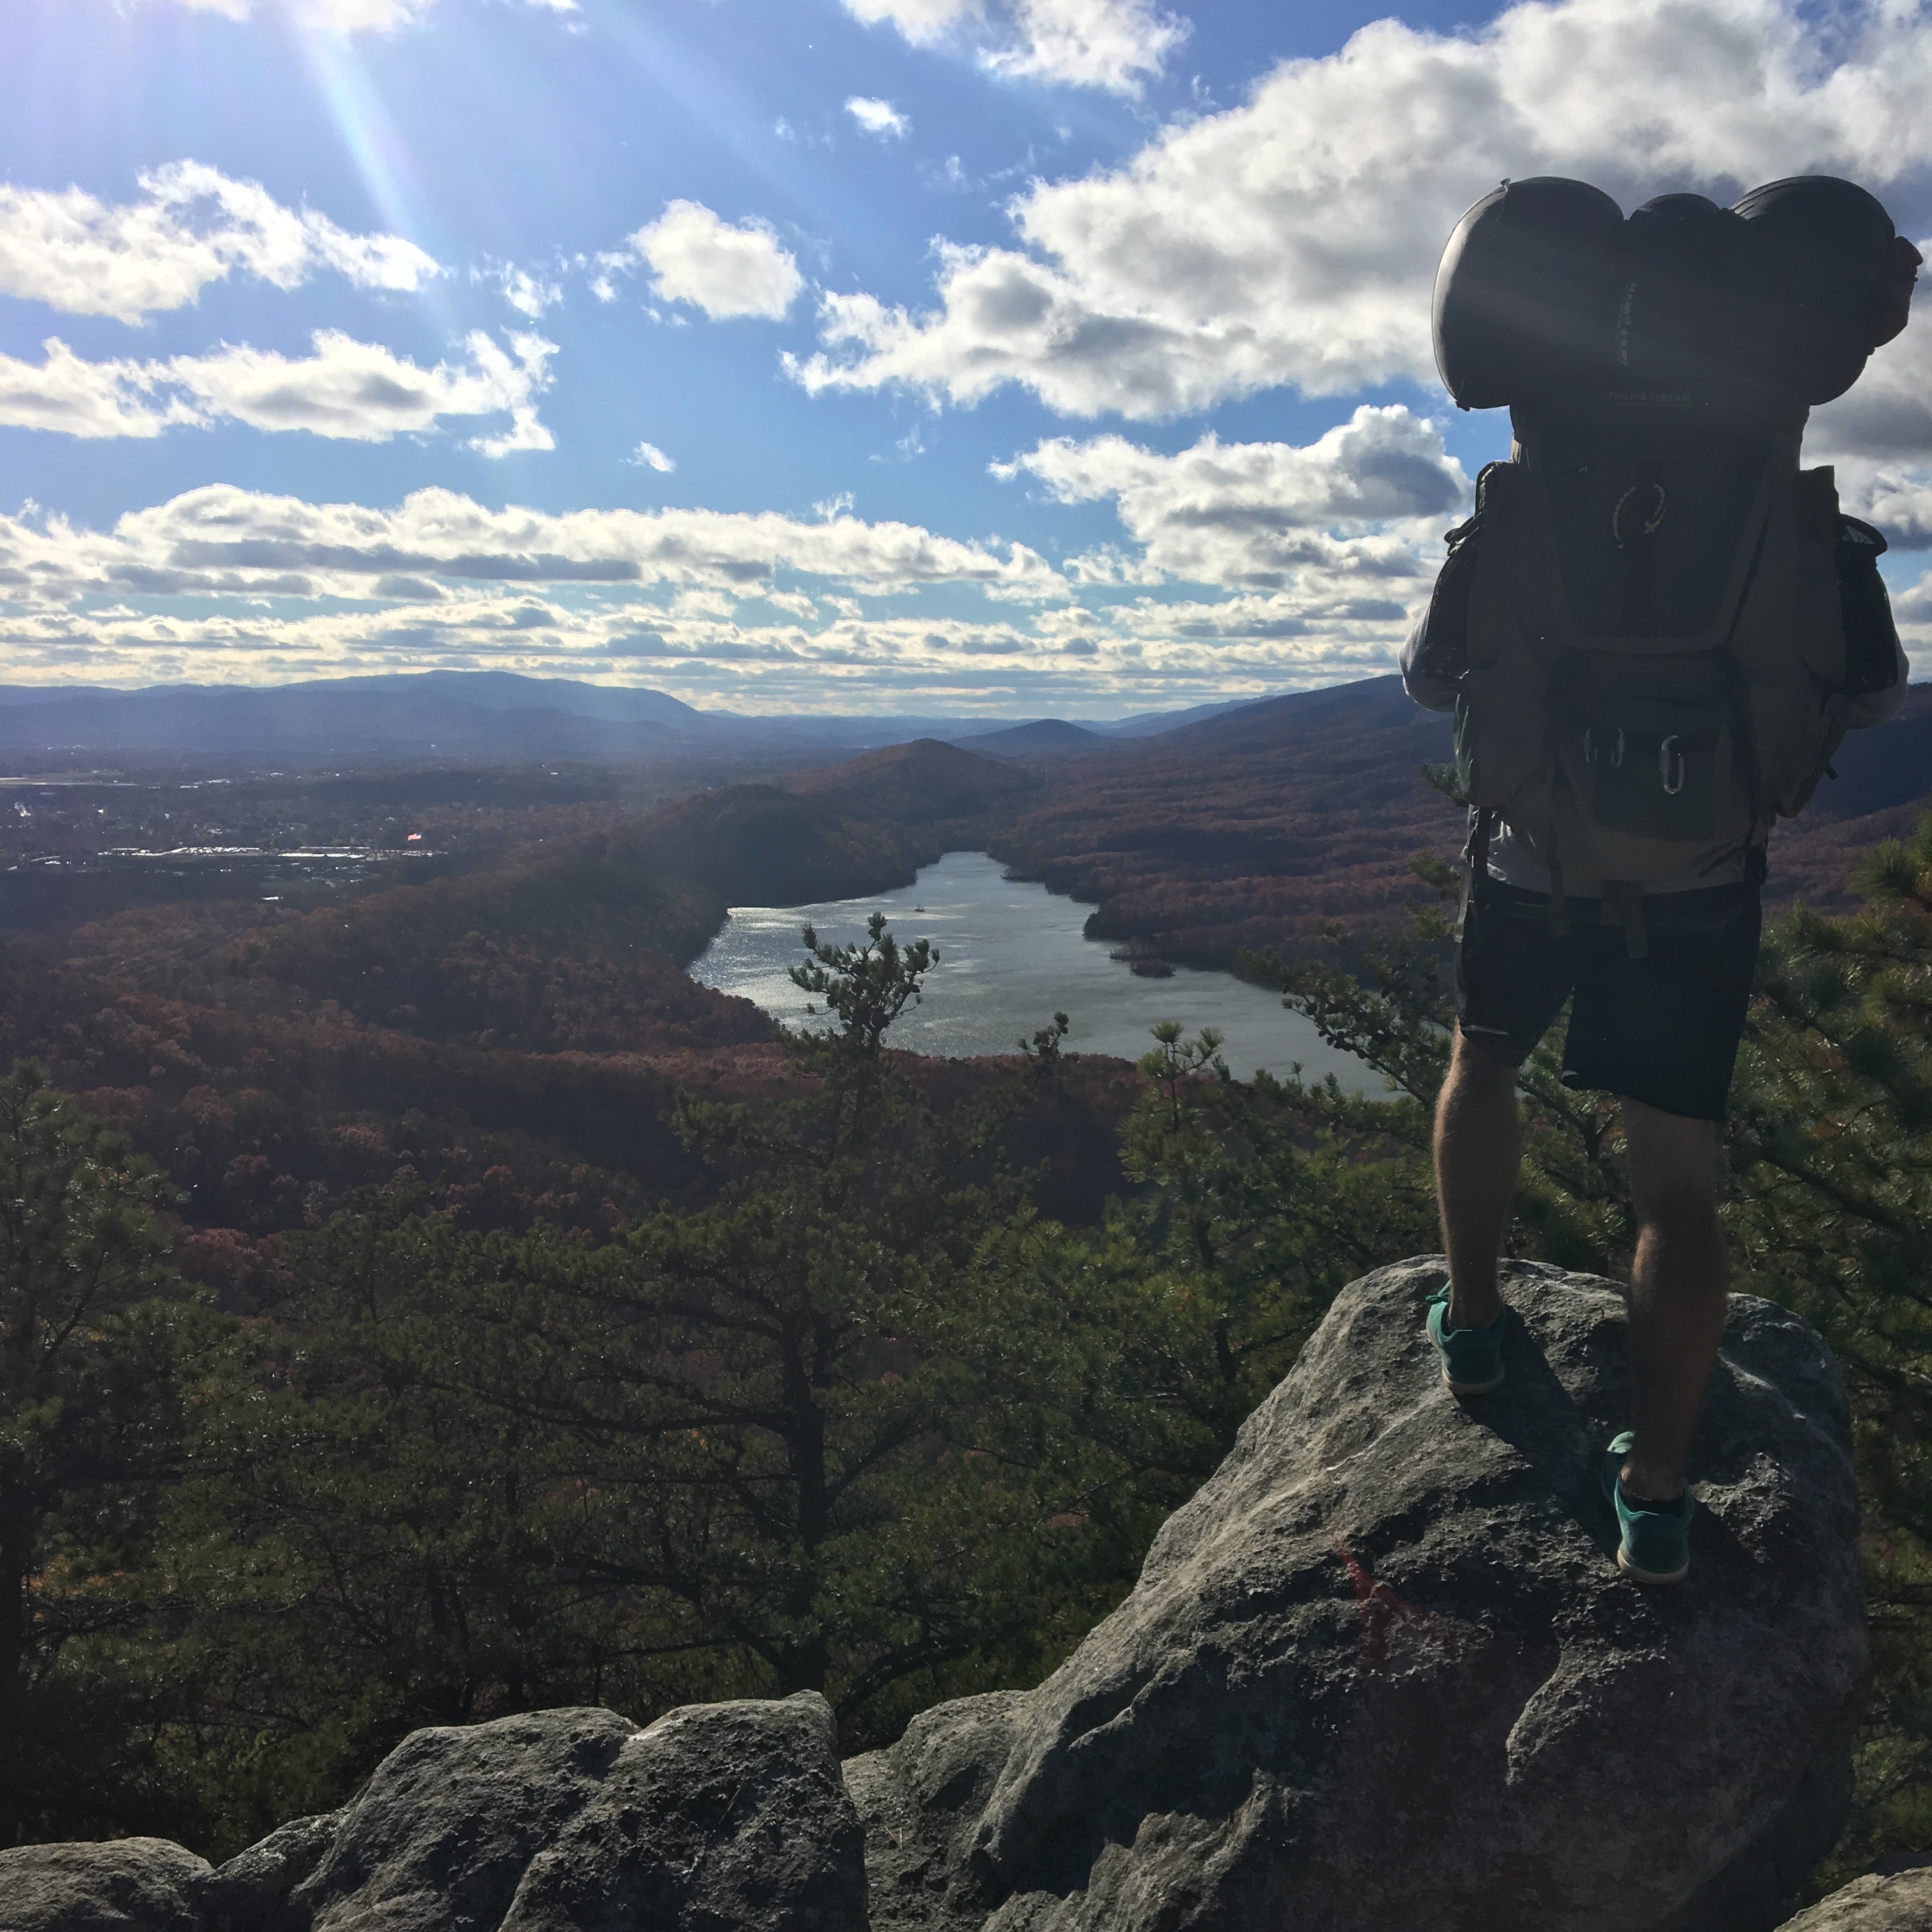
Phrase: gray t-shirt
[1512,862]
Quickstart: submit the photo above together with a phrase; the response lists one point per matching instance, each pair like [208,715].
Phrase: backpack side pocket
[1440,651]
[1791,648]
[1500,699]
[1871,636]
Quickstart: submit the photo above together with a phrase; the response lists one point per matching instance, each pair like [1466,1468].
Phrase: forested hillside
[509,1030]
[1260,827]
[1247,830]
[844,1409]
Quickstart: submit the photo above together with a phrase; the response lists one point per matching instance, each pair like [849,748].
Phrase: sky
[1010,358]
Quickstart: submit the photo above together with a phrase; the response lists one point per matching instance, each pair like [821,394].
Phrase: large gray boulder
[249,1893]
[442,1833]
[719,1818]
[126,1885]
[1902,1903]
[922,1800]
[1381,1671]
[718,1815]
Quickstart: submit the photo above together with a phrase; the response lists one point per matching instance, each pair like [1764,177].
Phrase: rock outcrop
[444,1830]
[1380,1672]
[922,1800]
[1902,1903]
[718,1816]
[130,1885]
[733,1817]
[251,1890]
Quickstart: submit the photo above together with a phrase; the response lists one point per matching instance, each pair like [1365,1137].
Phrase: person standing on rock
[1654,632]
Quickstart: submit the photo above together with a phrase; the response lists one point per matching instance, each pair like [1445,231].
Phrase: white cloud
[923,22]
[878,117]
[819,654]
[648,456]
[1293,239]
[1879,438]
[697,257]
[1897,498]
[525,433]
[760,610]
[1887,417]
[359,391]
[65,393]
[529,295]
[1355,500]
[1115,44]
[191,225]
[1912,606]
[224,532]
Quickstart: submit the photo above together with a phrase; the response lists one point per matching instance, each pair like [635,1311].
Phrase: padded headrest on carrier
[1545,287]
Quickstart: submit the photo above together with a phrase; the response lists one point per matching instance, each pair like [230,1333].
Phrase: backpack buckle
[1669,750]
[1590,747]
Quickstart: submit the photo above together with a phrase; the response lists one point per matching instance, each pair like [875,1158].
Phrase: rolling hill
[1246,829]
[758,844]
[1258,827]
[924,783]
[1048,736]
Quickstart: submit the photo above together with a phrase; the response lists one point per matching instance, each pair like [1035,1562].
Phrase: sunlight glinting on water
[1011,955]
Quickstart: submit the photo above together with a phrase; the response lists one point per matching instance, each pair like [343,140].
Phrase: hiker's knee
[1480,1063]
[1671,1163]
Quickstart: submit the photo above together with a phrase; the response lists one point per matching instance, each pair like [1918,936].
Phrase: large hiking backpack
[1659,662]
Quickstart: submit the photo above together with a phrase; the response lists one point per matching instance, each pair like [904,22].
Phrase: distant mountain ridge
[1053,735]
[314,721]
[453,714]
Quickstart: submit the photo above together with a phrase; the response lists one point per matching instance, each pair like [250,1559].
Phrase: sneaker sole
[1488,1388]
[1639,1574]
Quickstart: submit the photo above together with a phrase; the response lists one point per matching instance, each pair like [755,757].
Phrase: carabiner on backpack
[1669,749]
[1590,747]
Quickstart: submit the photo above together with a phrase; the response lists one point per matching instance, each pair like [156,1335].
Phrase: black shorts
[1664,1030]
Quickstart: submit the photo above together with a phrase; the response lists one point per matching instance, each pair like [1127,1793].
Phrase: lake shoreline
[1011,953]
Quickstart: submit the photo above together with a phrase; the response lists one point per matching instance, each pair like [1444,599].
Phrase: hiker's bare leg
[1677,1289]
[1477,1153]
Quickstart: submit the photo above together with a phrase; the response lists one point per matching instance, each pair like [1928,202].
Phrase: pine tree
[745,1448]
[1831,1150]
[94,1348]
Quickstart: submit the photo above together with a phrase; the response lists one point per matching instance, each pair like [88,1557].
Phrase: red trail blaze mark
[1378,1608]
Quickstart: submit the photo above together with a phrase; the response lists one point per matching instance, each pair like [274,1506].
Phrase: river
[1011,954]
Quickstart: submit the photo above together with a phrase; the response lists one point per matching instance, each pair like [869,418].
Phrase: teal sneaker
[1653,1546]
[1471,1359]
